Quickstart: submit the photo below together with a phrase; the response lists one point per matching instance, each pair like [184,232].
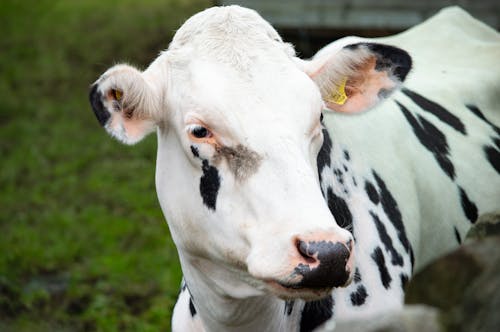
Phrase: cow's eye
[198,131]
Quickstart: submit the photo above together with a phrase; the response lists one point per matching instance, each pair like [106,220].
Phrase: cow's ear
[125,104]
[356,77]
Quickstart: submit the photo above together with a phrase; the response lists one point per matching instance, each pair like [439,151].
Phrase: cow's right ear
[355,77]
[125,104]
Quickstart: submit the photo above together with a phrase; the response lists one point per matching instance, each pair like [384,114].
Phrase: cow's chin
[291,293]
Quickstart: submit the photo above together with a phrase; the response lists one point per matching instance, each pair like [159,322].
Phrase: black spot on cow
[412,259]
[357,276]
[372,192]
[359,296]
[289,307]
[194,151]
[183,287]
[323,158]
[457,235]
[346,155]
[316,313]
[390,58]
[339,209]
[432,139]
[492,153]
[339,175]
[469,208]
[493,156]
[354,182]
[385,277]
[474,109]
[439,111]
[95,98]
[391,209]
[192,309]
[396,258]
[404,280]
[209,185]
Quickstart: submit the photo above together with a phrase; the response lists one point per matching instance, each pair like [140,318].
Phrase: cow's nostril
[302,249]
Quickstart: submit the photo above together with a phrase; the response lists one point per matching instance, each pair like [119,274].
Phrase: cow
[297,191]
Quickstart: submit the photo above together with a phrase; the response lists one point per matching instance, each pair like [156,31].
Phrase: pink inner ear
[128,129]
[364,90]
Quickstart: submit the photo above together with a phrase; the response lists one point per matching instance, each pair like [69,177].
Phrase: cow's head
[239,131]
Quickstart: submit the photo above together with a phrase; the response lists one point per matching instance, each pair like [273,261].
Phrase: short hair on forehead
[231,35]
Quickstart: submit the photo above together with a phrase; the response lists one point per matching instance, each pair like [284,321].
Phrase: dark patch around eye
[242,161]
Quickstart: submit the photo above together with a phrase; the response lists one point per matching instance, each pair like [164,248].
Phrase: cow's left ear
[358,76]
[125,103]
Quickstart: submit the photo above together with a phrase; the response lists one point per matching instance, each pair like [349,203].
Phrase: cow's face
[239,131]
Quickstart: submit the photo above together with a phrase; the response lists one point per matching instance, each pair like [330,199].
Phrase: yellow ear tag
[338,96]
[118,94]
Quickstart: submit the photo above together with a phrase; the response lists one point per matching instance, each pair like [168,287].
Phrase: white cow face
[238,123]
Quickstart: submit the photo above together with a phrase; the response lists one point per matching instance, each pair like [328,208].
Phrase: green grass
[83,243]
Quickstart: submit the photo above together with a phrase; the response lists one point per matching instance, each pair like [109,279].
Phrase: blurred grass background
[83,243]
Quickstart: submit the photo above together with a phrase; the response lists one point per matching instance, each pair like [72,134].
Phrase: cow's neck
[225,304]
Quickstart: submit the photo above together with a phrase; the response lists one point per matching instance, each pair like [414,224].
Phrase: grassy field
[83,243]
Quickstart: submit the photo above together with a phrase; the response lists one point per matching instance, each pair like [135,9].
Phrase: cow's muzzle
[325,264]
[320,266]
